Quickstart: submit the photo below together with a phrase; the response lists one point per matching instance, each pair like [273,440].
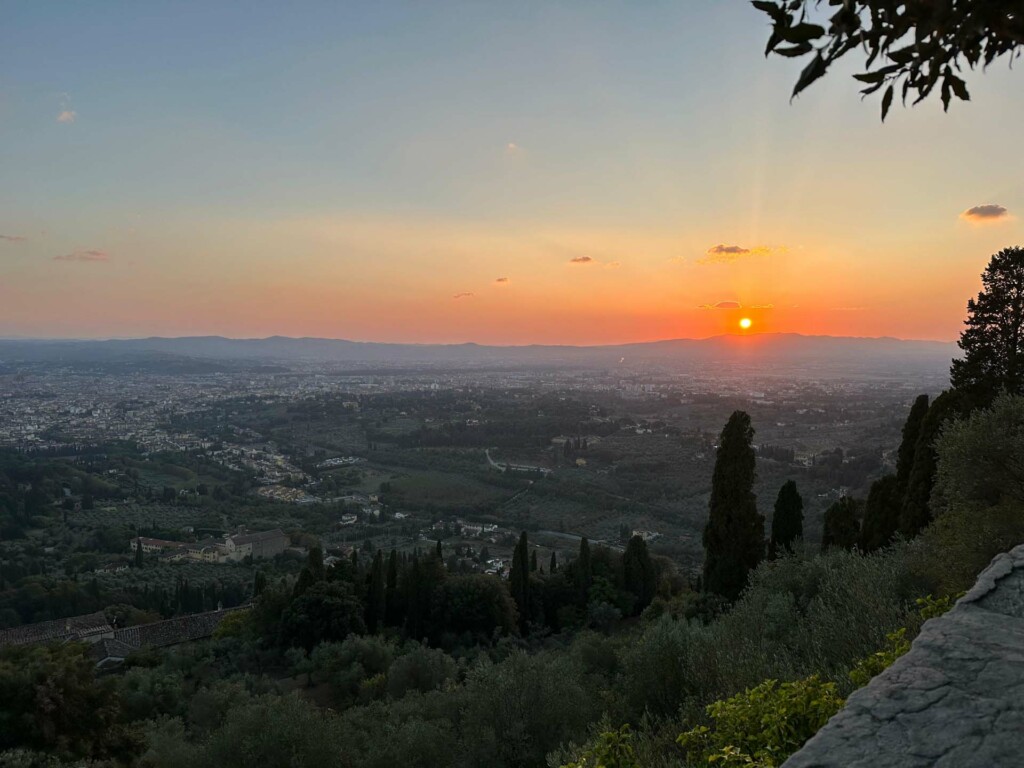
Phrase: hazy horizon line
[99,339]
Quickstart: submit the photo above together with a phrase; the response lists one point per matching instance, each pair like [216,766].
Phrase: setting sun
[745,323]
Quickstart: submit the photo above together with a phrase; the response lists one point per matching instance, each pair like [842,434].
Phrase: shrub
[865,669]
[611,749]
[764,725]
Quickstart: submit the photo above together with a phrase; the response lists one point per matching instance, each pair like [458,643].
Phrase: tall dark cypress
[583,575]
[375,603]
[787,520]
[842,524]
[519,581]
[553,567]
[916,513]
[908,443]
[734,535]
[639,577]
[259,583]
[881,513]
[391,609]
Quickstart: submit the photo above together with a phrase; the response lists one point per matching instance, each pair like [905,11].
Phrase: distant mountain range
[767,350]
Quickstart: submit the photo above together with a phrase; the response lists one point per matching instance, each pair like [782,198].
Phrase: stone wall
[955,700]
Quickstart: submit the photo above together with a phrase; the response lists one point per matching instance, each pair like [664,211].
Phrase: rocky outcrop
[955,700]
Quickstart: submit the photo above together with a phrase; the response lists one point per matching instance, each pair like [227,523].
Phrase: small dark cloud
[722,305]
[463,295]
[581,260]
[985,213]
[84,256]
[726,254]
[13,238]
[727,250]
[502,280]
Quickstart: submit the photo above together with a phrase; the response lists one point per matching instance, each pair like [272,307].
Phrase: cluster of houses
[232,548]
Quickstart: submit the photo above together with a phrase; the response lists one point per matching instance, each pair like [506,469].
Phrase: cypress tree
[438,552]
[553,566]
[734,535]
[375,595]
[881,513]
[519,581]
[915,513]
[391,615]
[908,443]
[639,577]
[315,564]
[842,524]
[787,521]
[583,575]
[138,552]
[259,583]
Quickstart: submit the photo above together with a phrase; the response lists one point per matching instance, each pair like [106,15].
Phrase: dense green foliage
[764,725]
[51,700]
[734,535]
[915,44]
[993,341]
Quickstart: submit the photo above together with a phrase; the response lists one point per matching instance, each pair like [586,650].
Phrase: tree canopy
[734,535]
[993,341]
[842,524]
[910,47]
[788,520]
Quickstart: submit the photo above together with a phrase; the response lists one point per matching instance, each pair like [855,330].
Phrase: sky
[505,173]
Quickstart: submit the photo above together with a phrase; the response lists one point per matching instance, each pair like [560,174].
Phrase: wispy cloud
[722,305]
[762,306]
[13,238]
[985,214]
[66,114]
[612,265]
[727,254]
[582,260]
[463,295]
[503,280]
[91,255]
[512,148]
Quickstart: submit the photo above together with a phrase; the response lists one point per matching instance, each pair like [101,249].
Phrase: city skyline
[573,175]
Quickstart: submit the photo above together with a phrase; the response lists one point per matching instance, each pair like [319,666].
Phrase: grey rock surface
[955,700]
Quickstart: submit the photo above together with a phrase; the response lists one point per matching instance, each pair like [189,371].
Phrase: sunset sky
[571,172]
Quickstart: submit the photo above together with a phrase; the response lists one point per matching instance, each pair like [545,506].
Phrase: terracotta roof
[110,649]
[71,628]
[248,538]
[165,543]
[180,629]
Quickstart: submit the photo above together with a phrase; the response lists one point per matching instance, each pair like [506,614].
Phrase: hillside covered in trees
[612,658]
